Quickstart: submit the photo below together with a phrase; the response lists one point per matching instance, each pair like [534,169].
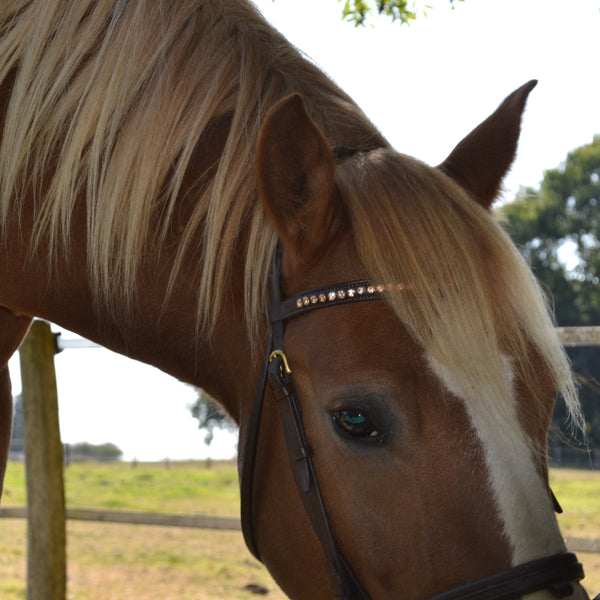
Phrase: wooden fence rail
[208,522]
[579,336]
[136,518]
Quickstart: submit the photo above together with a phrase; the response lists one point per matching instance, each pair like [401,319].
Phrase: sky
[425,86]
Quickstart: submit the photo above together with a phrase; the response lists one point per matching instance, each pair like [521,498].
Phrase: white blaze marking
[523,502]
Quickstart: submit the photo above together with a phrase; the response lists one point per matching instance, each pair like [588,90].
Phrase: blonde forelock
[457,282]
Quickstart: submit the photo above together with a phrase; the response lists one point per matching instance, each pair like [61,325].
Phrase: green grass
[578,492]
[190,487]
[122,562]
[184,487]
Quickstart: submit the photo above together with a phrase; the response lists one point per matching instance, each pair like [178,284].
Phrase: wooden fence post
[46,531]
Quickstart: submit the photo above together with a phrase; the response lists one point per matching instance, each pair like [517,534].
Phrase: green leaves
[558,229]
[358,11]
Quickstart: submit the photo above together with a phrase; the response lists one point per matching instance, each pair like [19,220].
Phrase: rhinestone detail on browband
[333,294]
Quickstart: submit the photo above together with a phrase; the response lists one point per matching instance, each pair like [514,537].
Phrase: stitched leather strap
[249,438]
[553,573]
[344,583]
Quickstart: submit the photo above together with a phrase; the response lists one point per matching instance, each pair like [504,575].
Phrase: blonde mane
[114,97]
[110,99]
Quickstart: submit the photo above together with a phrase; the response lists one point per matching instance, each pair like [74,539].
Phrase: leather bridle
[553,573]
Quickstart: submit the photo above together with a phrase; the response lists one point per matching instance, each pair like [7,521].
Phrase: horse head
[426,413]
[134,143]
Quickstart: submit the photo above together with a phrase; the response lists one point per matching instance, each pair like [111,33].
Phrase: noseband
[553,573]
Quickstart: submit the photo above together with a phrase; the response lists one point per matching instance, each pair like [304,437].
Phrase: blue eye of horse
[355,422]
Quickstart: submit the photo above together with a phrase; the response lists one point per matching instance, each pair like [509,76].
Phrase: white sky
[425,86]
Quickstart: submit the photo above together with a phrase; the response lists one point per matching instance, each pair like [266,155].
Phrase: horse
[176,179]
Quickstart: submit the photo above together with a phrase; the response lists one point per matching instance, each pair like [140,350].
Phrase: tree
[210,416]
[84,451]
[558,230]
[357,11]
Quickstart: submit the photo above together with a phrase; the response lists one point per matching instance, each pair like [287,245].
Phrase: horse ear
[482,159]
[296,179]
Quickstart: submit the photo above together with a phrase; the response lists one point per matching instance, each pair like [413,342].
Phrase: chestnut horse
[155,154]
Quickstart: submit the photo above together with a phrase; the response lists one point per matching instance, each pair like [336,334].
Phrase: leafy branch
[358,11]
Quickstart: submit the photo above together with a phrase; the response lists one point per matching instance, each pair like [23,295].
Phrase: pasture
[121,562]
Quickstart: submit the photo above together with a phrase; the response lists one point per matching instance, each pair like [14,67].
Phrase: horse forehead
[358,334]
[362,349]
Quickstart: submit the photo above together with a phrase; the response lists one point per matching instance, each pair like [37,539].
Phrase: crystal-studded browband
[331,295]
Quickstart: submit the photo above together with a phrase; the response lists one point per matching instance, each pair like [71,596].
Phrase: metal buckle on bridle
[284,360]
[552,573]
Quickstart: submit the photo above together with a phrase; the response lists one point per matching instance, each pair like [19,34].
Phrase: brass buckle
[281,354]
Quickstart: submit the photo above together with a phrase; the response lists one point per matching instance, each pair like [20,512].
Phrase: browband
[323,297]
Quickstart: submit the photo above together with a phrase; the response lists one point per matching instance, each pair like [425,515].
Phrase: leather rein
[553,573]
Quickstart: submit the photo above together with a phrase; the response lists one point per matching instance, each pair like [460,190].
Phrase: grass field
[122,562]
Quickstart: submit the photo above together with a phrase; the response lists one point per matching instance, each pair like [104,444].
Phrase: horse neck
[158,332]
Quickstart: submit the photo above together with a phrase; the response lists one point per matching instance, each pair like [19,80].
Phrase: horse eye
[355,422]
